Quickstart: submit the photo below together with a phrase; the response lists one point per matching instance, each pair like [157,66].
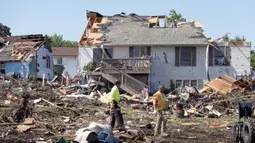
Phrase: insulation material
[95,26]
[153,20]
[105,20]
[95,35]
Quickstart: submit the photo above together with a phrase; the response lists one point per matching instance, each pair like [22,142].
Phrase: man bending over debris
[115,112]
[160,104]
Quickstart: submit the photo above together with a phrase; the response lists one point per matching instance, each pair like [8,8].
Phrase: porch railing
[126,80]
[137,64]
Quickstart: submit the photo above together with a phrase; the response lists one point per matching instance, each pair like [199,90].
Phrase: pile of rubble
[47,111]
[218,97]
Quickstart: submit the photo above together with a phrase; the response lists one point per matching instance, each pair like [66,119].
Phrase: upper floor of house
[134,42]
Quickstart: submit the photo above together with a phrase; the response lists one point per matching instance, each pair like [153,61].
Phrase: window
[108,52]
[192,83]
[186,83]
[48,62]
[2,68]
[139,51]
[219,56]
[59,61]
[178,83]
[185,56]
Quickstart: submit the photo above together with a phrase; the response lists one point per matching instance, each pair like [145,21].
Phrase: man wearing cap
[160,104]
[115,112]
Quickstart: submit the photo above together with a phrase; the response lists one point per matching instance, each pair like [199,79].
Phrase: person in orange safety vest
[160,104]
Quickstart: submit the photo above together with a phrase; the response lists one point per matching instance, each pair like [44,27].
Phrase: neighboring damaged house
[176,56]
[67,57]
[26,55]
[4,30]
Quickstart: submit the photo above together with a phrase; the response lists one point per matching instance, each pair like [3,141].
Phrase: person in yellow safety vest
[160,104]
[115,113]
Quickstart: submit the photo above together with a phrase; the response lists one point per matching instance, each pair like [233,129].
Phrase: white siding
[85,56]
[241,60]
[120,52]
[162,72]
[70,63]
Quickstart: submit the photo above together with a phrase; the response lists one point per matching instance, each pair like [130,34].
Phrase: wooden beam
[84,32]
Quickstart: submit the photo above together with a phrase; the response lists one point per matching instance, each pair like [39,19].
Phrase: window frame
[179,56]
[61,59]
[225,51]
[48,64]
[189,83]
[138,51]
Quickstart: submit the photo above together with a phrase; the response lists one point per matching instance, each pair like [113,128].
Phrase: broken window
[48,62]
[185,56]
[139,51]
[219,56]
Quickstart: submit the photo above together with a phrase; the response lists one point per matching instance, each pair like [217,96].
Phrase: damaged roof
[135,30]
[19,48]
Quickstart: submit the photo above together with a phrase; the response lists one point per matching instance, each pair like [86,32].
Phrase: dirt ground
[84,111]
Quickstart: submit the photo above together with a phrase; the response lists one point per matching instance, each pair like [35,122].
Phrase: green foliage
[58,41]
[90,66]
[173,15]
[253,59]
[238,39]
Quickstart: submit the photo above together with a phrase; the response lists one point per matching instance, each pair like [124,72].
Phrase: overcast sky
[68,17]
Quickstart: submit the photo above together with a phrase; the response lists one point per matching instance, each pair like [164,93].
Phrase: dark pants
[116,114]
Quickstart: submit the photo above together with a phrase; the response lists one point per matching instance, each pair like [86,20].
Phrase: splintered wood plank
[220,85]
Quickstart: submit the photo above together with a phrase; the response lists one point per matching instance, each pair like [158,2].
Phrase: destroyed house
[144,51]
[26,56]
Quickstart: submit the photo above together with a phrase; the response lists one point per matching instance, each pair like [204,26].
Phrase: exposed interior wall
[70,64]
[42,63]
